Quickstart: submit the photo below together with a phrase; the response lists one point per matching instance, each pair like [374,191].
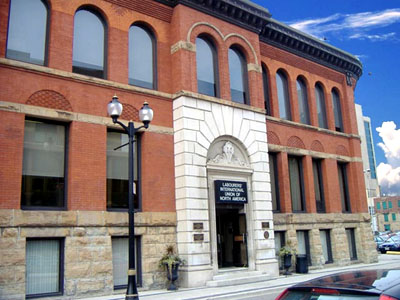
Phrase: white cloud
[373,37]
[361,56]
[314,25]
[389,179]
[389,173]
[373,19]
[351,25]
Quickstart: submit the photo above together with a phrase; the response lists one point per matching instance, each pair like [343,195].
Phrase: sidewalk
[253,289]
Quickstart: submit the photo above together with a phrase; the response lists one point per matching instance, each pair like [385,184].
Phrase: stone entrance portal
[217,141]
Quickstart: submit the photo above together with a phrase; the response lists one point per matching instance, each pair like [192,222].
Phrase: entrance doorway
[231,236]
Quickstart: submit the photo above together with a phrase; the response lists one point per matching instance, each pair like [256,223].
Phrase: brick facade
[179,150]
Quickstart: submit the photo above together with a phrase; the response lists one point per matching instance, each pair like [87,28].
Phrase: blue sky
[370,30]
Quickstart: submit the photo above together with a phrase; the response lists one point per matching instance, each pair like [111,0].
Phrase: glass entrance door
[231,237]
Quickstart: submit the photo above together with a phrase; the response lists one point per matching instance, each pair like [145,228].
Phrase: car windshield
[394,239]
[304,295]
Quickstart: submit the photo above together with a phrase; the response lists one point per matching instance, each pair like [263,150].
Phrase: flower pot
[172,276]
[287,263]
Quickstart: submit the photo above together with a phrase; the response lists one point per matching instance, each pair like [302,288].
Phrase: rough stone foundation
[88,268]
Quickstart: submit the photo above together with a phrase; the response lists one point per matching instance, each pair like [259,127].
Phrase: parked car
[378,241]
[385,234]
[351,285]
[391,244]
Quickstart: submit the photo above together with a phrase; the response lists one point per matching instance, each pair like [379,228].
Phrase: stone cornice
[258,19]
[239,12]
[299,43]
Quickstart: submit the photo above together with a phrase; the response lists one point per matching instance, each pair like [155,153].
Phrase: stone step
[234,277]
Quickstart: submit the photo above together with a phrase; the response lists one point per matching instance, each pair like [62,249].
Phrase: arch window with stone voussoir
[321,107]
[266,89]
[89,45]
[27,38]
[337,110]
[142,57]
[282,87]
[238,75]
[207,66]
[302,97]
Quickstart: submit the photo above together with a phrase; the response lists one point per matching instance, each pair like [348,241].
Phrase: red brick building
[242,104]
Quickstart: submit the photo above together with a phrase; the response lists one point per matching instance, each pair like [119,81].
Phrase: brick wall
[11,148]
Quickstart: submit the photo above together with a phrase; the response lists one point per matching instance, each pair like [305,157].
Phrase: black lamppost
[114,109]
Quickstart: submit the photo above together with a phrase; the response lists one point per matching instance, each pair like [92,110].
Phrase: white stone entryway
[201,130]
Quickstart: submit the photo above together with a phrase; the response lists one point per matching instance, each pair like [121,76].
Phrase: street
[385,261]
[265,290]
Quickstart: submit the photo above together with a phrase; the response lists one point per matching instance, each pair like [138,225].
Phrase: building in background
[369,162]
[254,144]
[388,213]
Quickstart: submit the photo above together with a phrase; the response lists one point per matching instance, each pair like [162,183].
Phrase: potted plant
[171,262]
[286,253]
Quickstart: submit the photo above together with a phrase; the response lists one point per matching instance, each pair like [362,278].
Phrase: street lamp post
[114,109]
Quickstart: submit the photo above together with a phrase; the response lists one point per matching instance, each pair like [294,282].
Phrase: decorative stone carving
[228,157]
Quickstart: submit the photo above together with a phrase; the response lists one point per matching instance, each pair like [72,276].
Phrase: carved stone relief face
[229,150]
[226,153]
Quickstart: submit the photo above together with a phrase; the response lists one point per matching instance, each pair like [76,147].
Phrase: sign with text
[230,191]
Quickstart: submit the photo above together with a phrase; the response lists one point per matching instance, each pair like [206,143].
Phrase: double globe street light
[114,109]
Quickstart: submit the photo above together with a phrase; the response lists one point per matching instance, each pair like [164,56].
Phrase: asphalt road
[386,261]
[266,290]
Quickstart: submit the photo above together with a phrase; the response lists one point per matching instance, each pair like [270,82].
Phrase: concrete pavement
[250,290]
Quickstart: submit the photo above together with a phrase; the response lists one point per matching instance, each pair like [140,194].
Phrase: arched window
[142,57]
[267,102]
[337,111]
[238,76]
[321,110]
[89,44]
[283,96]
[27,31]
[206,60]
[303,101]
